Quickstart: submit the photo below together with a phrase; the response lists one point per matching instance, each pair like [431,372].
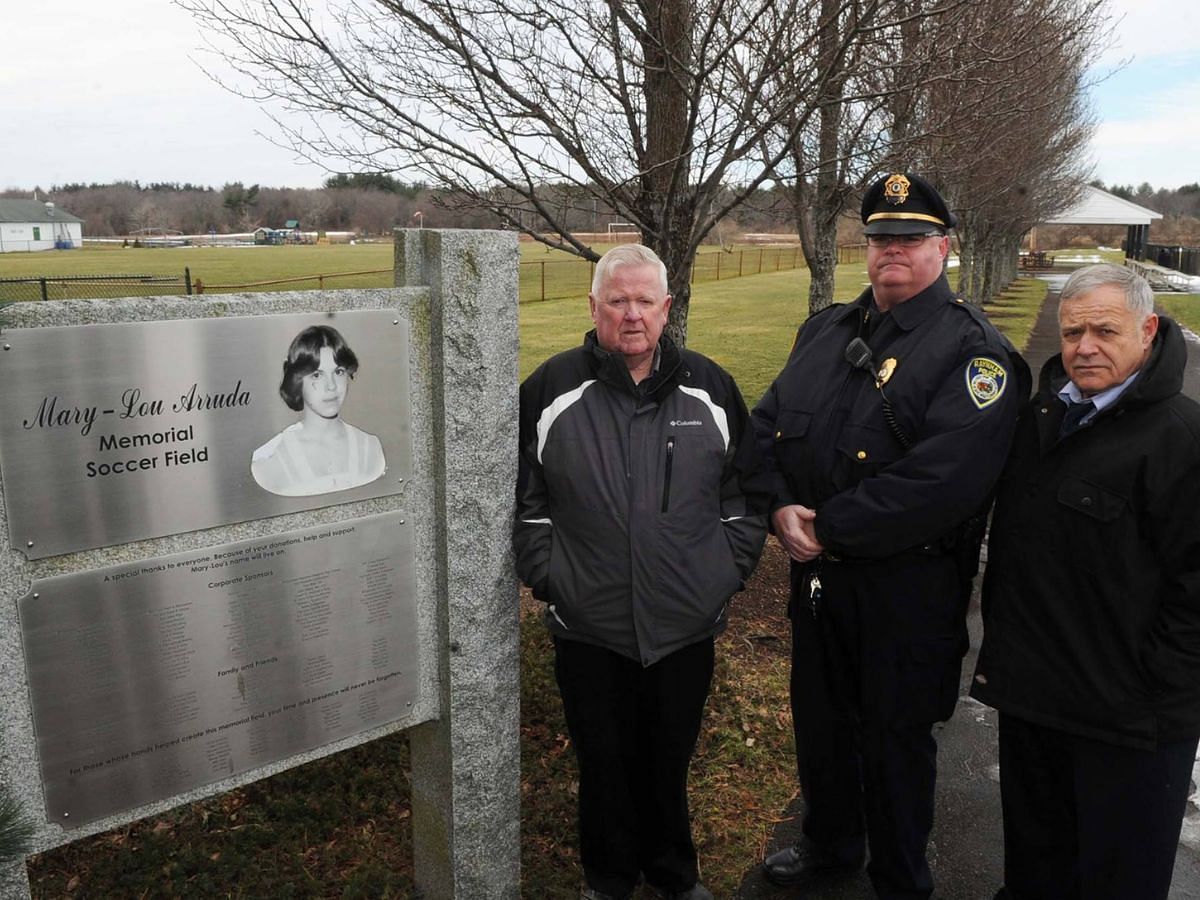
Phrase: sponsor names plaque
[156,677]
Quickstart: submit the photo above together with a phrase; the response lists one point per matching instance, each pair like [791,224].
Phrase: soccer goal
[623,228]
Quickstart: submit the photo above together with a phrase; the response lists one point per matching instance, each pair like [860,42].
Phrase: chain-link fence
[719,265]
[92,287]
[556,279]
[100,287]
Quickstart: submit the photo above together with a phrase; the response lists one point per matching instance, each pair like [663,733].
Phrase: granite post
[466,764]
[458,292]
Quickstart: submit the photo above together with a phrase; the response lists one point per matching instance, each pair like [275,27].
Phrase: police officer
[884,434]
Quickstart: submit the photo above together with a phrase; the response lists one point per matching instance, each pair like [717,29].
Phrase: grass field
[212,265]
[745,324]
[544,275]
[1183,308]
[217,265]
[748,324]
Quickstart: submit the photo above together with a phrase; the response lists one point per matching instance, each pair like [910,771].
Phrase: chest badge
[986,380]
[885,370]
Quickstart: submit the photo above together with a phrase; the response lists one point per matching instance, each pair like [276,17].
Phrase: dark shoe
[696,892]
[806,863]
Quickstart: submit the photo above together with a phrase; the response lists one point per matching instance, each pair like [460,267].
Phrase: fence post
[719,252]
[187,280]
[42,282]
[760,259]
[741,253]
[542,276]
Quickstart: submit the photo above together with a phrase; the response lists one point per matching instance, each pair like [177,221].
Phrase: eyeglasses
[904,240]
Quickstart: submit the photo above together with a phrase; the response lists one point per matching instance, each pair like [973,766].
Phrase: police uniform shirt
[954,385]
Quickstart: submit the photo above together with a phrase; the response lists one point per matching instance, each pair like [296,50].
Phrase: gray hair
[1139,297]
[627,255]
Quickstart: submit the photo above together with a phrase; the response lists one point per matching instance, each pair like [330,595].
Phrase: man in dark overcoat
[1091,604]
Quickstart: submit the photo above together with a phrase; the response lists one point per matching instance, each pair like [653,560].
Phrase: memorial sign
[118,432]
[152,678]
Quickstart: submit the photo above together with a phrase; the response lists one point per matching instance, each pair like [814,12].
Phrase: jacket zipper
[667,476]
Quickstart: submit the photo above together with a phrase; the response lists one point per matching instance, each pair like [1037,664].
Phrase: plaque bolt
[8,346]
[66,815]
[401,521]
[29,543]
[394,322]
[36,595]
[409,704]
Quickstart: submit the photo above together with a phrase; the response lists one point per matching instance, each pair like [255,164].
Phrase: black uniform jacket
[954,385]
[1092,590]
[637,516]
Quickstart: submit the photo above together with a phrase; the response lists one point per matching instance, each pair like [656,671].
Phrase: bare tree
[148,217]
[545,111]
[830,156]
[1016,153]
[945,89]
[880,58]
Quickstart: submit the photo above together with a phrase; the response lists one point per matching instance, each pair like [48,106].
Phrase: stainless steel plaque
[153,678]
[114,433]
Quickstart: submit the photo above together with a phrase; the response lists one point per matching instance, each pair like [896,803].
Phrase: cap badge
[895,189]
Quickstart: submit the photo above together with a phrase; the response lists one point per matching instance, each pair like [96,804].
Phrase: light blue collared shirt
[1069,394]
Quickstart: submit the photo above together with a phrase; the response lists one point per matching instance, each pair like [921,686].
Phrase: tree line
[346,203]
[364,203]
[374,204]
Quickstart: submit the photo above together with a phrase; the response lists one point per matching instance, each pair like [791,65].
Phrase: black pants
[634,730]
[873,667]
[1085,819]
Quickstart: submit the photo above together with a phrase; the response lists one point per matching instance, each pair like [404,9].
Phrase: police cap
[905,204]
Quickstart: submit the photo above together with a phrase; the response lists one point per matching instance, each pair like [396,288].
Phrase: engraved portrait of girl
[321,453]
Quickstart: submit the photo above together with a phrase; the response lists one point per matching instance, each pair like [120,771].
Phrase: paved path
[966,848]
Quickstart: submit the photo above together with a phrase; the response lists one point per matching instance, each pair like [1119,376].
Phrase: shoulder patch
[986,380]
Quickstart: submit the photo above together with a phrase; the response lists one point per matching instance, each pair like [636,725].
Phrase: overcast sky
[99,92]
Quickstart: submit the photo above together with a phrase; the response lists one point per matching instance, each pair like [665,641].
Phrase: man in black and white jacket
[637,520]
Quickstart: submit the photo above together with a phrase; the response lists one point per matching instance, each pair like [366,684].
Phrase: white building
[33,225]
